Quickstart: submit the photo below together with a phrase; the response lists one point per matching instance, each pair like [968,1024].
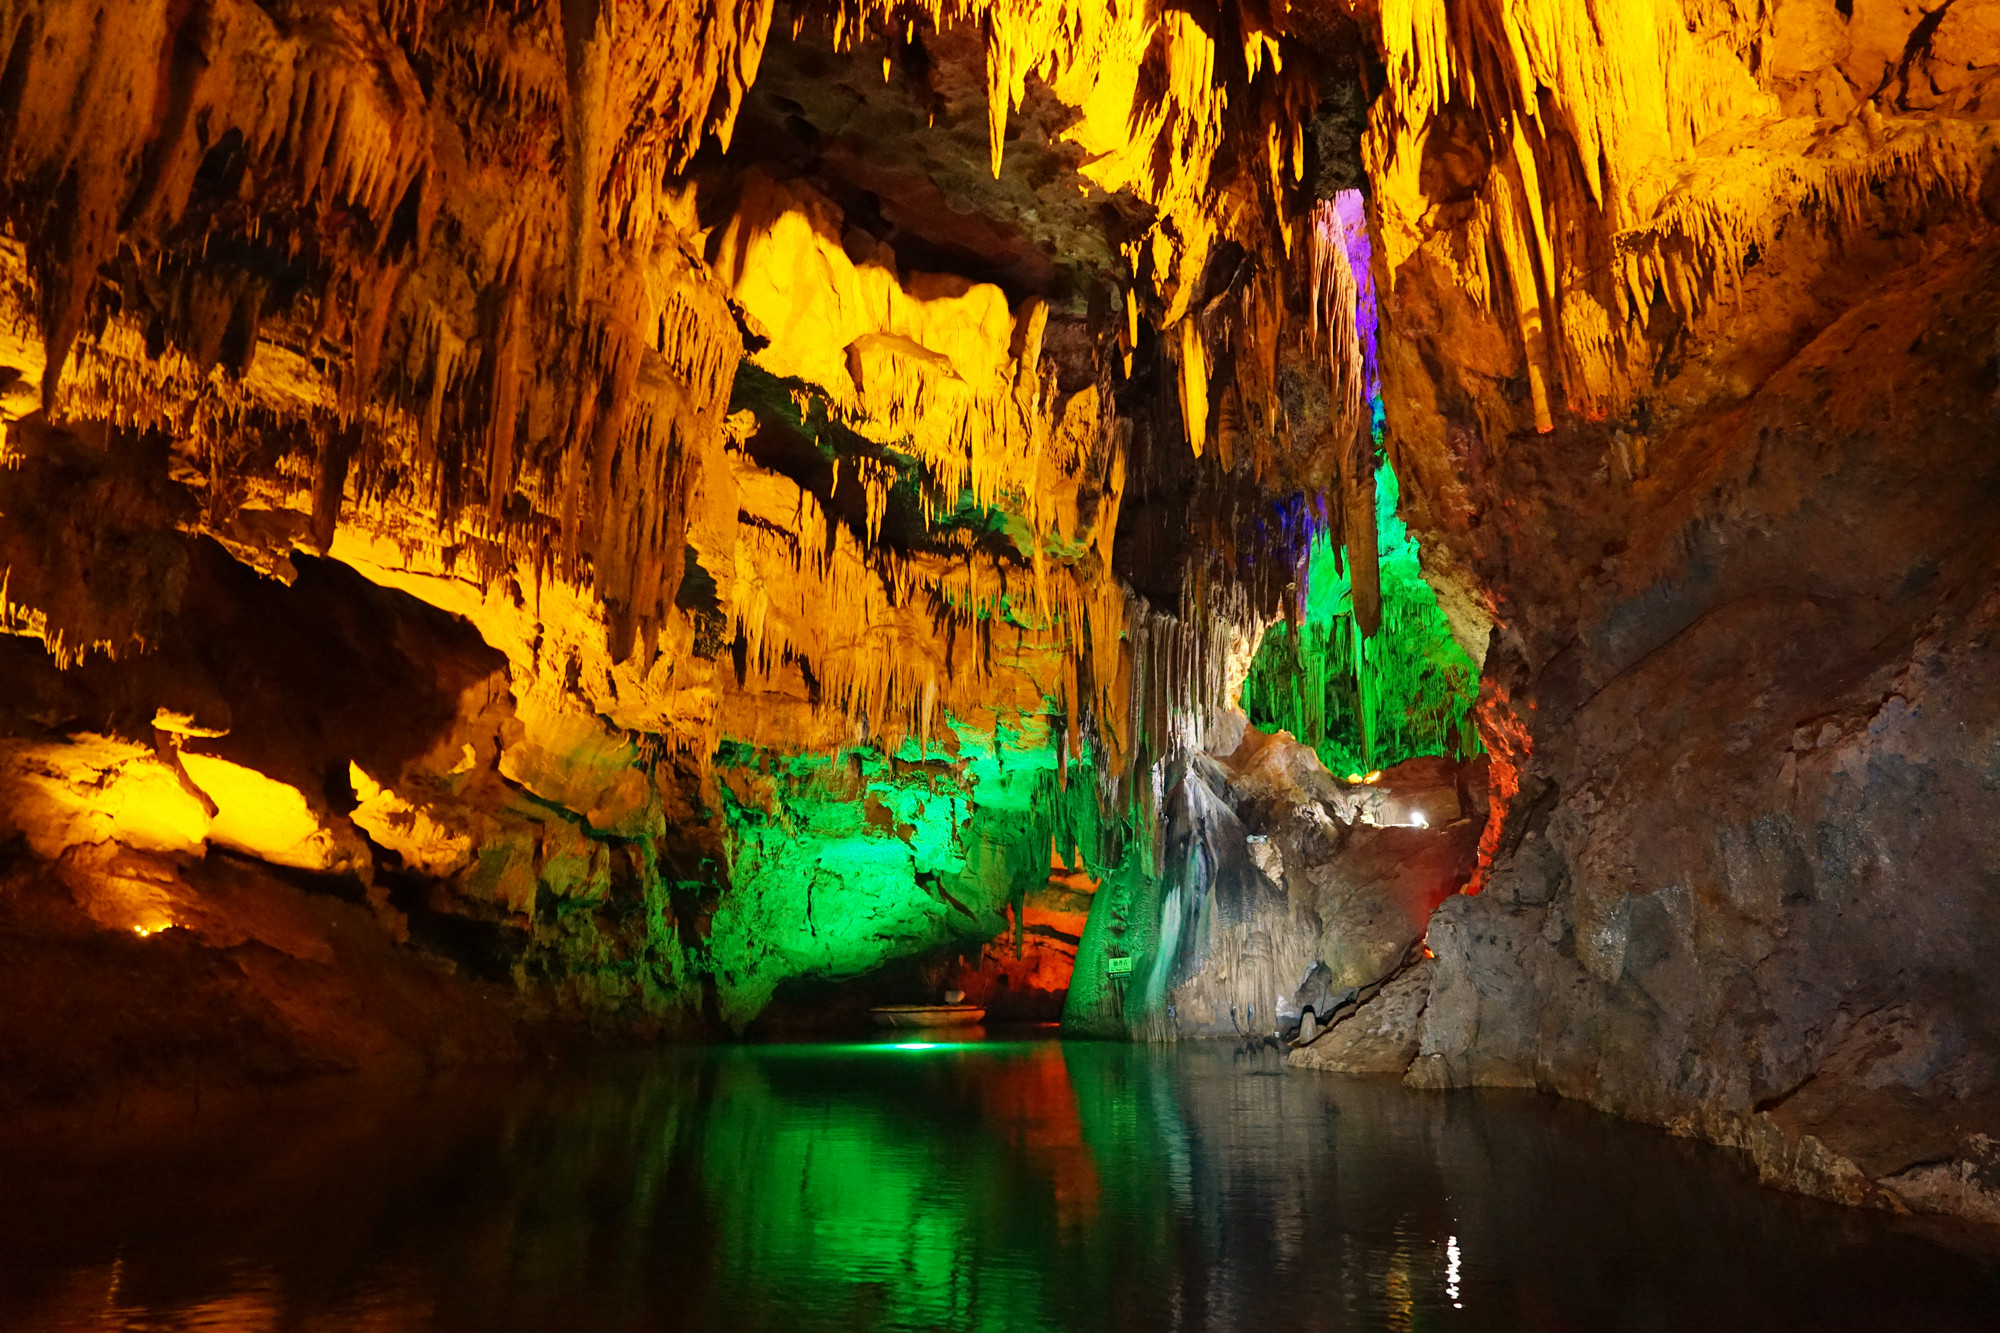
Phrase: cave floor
[904,1183]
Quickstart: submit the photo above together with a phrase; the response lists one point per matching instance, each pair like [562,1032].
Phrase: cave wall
[1701,409]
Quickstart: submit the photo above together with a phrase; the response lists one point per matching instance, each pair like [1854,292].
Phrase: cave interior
[1453,537]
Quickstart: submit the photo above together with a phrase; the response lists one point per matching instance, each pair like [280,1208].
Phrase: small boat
[928,1015]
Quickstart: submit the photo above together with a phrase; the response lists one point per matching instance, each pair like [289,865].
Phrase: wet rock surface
[263,980]
[1379,1035]
[1282,896]
[1742,889]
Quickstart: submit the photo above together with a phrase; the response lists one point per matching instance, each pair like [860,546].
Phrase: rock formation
[1690,366]
[676,516]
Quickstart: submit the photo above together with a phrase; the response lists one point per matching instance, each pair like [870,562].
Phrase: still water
[1003,1185]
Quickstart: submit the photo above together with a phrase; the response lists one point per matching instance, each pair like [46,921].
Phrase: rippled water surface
[1030,1185]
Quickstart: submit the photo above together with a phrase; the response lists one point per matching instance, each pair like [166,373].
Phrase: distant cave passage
[1367,703]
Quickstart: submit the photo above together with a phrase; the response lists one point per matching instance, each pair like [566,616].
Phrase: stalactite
[1157,119]
[1357,488]
[1335,313]
[1339,255]
[1194,385]
[587,61]
[498,343]
[1706,175]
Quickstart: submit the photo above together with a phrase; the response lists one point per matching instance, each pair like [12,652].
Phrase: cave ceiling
[827,402]
[463,291]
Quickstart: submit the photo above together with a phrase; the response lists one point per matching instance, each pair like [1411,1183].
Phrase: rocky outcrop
[133,979]
[1282,895]
[1736,542]
[1380,1035]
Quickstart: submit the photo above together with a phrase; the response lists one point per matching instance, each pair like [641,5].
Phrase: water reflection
[1002,1186]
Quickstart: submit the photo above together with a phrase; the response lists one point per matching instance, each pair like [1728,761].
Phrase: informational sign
[1118,967]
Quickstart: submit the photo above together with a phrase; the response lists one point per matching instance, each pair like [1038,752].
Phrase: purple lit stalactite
[1350,214]
[1345,314]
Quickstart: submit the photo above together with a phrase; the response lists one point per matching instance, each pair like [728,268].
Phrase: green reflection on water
[1079,1186]
[907,1192]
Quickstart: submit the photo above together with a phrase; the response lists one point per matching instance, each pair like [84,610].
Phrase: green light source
[917,1045]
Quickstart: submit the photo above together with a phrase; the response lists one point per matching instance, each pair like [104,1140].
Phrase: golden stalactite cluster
[428,284]
[260,187]
[1204,124]
[1571,172]
[649,81]
[531,396]
[107,138]
[335,160]
[939,371]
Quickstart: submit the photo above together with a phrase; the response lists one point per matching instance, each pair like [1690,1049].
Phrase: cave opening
[963,663]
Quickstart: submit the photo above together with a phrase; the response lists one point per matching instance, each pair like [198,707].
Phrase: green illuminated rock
[841,864]
[1365,704]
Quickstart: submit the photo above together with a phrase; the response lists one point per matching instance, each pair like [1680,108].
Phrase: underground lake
[1018,1185]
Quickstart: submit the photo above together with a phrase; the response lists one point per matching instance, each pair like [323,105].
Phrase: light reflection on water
[962,1187]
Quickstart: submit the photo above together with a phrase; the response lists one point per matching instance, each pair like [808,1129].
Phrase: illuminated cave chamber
[698,517]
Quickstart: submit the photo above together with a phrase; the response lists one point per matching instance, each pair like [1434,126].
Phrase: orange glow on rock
[260,815]
[1509,743]
[95,789]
